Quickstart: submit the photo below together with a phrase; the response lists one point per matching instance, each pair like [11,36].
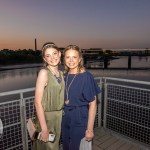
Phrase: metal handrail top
[17,91]
[128,80]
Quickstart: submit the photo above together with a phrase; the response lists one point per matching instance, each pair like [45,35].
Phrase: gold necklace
[67,89]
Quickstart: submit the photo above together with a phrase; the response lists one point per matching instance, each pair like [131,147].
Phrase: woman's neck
[54,70]
[73,71]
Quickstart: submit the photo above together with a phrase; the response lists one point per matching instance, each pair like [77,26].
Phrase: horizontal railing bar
[97,78]
[11,125]
[128,121]
[12,101]
[128,103]
[130,87]
[14,147]
[127,80]
[17,91]
[26,98]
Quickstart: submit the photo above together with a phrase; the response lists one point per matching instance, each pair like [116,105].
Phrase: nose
[52,56]
[71,59]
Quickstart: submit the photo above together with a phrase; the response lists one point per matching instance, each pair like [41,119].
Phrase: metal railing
[14,115]
[127,108]
[123,108]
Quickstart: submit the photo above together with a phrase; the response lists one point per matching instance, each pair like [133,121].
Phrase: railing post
[104,102]
[99,107]
[129,62]
[23,122]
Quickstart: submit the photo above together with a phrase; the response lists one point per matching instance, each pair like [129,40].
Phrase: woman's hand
[44,135]
[89,135]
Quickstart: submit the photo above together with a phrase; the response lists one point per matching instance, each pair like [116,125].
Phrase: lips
[53,61]
[71,64]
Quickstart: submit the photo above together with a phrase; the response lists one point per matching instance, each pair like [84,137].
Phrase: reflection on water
[18,79]
[18,72]
[136,62]
[26,78]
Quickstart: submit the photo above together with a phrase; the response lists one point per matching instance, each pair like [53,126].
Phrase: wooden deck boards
[106,141]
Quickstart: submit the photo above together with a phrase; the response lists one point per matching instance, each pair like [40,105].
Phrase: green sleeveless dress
[52,102]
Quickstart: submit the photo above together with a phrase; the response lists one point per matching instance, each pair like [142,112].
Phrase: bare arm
[91,118]
[40,85]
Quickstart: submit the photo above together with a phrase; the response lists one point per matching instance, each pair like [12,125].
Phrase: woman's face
[52,56]
[72,59]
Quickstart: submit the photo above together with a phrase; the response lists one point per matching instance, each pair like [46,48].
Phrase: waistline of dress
[73,107]
[49,114]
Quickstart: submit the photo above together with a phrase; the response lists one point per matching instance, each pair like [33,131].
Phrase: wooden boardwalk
[107,141]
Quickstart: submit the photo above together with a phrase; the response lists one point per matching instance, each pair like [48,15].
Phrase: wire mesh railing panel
[18,147]
[12,137]
[12,134]
[96,119]
[137,96]
[128,111]
[10,113]
[29,113]
[97,122]
[30,145]
[29,107]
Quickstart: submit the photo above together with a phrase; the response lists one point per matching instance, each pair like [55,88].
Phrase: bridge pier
[129,62]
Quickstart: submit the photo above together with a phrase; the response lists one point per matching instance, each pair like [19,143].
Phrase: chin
[71,67]
[54,64]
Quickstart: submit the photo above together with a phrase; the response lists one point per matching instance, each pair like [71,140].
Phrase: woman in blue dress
[80,100]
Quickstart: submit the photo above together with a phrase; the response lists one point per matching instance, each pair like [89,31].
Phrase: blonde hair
[45,47]
[80,65]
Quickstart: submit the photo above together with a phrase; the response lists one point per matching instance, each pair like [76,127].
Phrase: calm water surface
[26,78]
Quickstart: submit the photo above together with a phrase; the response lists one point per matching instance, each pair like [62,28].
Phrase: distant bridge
[105,58]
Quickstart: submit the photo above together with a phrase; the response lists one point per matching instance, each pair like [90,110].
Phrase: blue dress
[82,91]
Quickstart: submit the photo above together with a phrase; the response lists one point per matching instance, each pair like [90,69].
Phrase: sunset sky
[86,23]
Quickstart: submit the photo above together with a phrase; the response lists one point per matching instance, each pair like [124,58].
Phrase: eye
[55,53]
[47,56]
[67,57]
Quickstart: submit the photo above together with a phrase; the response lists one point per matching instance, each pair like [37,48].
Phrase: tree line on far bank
[8,57]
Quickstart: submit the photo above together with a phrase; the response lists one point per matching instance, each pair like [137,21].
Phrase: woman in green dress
[49,95]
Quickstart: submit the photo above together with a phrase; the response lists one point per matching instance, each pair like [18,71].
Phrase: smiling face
[72,60]
[52,56]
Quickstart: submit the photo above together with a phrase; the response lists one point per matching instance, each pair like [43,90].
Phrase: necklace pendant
[67,101]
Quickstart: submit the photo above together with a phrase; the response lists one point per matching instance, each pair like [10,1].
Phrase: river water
[26,78]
